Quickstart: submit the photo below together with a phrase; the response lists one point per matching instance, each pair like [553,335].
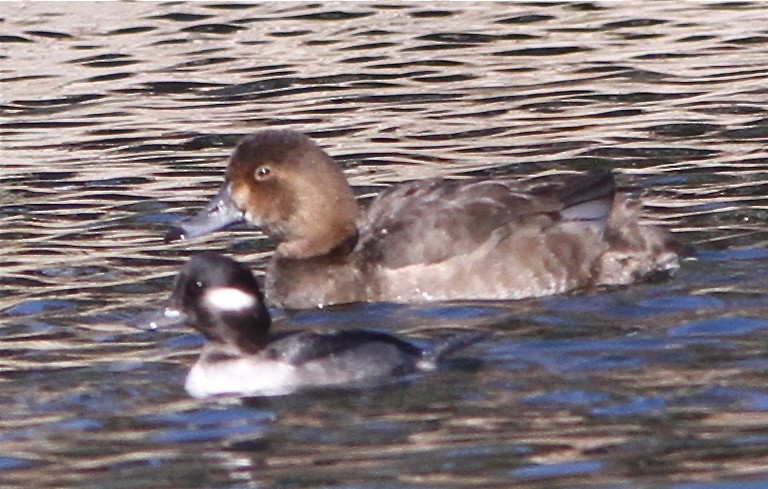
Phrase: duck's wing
[433,220]
[307,346]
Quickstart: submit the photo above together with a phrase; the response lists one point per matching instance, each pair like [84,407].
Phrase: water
[116,123]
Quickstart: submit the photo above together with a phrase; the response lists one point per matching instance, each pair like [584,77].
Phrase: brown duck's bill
[220,212]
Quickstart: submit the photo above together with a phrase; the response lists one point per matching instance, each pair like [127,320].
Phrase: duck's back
[430,221]
[344,356]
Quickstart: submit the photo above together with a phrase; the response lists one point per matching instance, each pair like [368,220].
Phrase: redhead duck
[428,240]
[221,299]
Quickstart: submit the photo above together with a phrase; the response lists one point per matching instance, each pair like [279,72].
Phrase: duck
[428,240]
[221,299]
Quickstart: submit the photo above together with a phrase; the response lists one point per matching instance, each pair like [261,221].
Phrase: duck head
[281,181]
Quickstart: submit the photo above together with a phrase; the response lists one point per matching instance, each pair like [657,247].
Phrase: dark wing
[303,347]
[432,220]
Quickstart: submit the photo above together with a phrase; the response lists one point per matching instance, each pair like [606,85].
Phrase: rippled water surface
[117,119]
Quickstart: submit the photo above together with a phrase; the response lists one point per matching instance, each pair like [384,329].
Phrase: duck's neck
[239,333]
[311,282]
[318,249]
[338,240]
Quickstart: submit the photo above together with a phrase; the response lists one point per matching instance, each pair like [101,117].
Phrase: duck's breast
[241,376]
[309,283]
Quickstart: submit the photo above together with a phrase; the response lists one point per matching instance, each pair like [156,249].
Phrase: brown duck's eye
[262,173]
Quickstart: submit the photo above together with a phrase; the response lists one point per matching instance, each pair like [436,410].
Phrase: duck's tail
[589,197]
[432,356]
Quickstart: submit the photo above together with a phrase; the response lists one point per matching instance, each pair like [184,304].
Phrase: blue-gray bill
[220,212]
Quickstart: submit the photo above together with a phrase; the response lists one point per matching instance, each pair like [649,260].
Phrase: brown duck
[429,240]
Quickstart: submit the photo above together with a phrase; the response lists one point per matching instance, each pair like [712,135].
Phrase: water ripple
[117,122]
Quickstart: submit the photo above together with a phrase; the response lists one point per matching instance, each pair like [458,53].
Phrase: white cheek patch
[229,299]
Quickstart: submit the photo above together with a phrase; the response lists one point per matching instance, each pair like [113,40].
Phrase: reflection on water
[116,121]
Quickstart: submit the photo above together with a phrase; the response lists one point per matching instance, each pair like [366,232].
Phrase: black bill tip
[174,234]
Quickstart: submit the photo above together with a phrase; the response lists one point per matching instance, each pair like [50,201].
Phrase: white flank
[243,376]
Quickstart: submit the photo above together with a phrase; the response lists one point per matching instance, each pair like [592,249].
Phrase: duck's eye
[262,173]
[194,287]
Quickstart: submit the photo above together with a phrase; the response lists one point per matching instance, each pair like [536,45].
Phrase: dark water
[116,122]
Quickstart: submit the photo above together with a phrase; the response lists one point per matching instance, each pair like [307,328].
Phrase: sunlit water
[116,122]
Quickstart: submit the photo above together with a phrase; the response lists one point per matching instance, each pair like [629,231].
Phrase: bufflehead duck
[221,299]
[429,240]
